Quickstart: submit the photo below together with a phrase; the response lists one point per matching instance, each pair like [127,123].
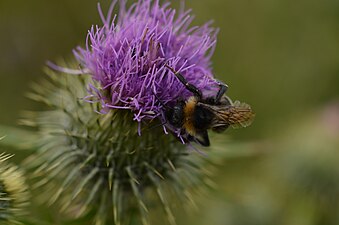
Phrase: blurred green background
[280,56]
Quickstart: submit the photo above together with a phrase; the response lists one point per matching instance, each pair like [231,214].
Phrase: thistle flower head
[13,192]
[100,162]
[128,54]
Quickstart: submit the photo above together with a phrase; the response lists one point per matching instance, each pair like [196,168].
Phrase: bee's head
[175,115]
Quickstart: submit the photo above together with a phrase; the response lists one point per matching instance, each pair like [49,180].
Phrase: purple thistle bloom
[102,164]
[127,57]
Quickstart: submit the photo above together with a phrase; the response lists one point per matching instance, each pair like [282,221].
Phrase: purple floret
[127,57]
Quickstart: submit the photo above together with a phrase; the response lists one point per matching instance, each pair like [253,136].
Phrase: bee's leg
[202,138]
[189,86]
[156,125]
[222,90]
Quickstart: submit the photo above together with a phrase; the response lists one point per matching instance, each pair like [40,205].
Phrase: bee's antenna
[182,79]
[161,103]
[171,68]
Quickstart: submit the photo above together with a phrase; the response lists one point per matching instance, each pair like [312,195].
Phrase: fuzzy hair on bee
[196,115]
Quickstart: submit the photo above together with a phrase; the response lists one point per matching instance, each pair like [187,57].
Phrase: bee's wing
[242,115]
[236,114]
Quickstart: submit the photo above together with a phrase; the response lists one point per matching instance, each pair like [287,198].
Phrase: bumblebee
[196,115]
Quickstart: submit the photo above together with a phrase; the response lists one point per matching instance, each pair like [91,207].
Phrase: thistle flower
[106,163]
[13,192]
[127,57]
